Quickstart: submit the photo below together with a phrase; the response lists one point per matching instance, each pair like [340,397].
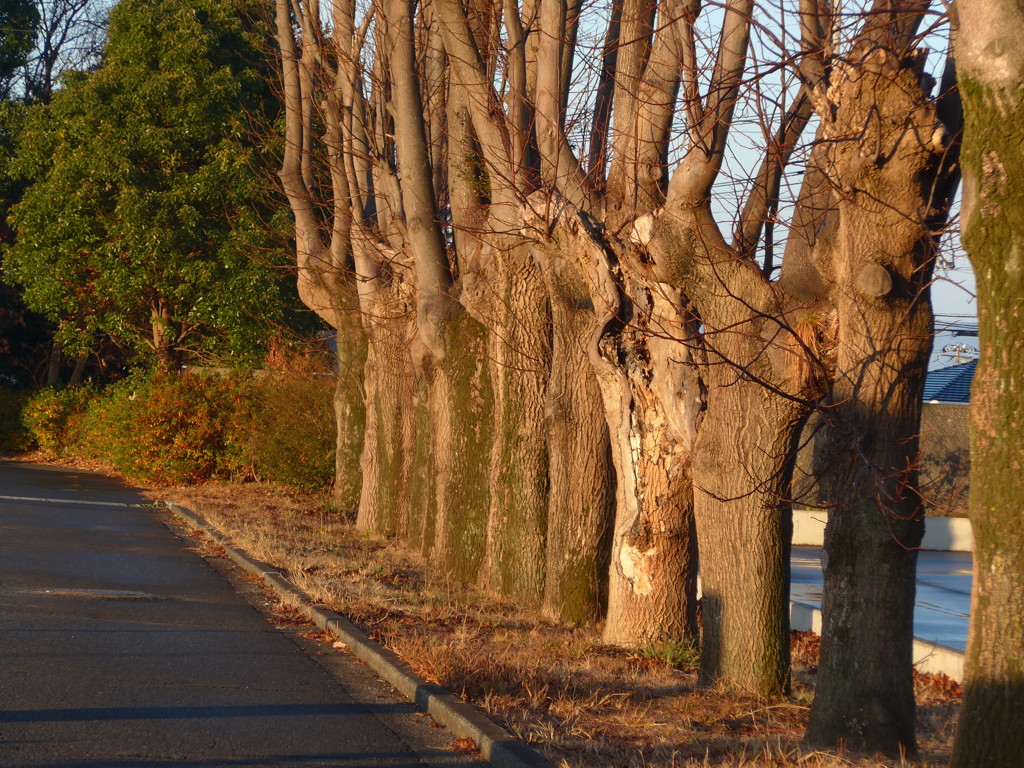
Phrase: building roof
[951,384]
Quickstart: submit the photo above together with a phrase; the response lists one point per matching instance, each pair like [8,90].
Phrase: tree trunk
[637,356]
[460,404]
[79,370]
[865,694]
[990,58]
[53,367]
[743,464]
[167,357]
[868,474]
[756,371]
[349,408]
[652,400]
[519,349]
[502,288]
[423,485]
[388,444]
[582,495]
[886,155]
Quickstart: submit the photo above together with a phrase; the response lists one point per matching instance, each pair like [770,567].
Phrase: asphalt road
[943,606]
[120,647]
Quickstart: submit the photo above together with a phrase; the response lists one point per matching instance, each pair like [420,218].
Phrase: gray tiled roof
[950,385]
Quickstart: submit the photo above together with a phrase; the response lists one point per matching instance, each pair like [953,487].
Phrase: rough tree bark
[607,312]
[638,351]
[990,59]
[460,429]
[886,159]
[387,306]
[519,348]
[652,399]
[498,157]
[448,351]
[581,510]
[503,289]
[349,407]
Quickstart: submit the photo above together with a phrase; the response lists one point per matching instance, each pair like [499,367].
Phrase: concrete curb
[941,534]
[464,721]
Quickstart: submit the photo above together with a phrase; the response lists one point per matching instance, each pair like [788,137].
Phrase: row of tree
[577,349]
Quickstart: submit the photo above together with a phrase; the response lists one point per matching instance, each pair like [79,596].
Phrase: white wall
[943,534]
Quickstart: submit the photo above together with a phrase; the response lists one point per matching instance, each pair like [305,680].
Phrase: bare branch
[520,111]
[433,278]
[597,157]
[691,91]
[698,170]
[812,43]
[314,272]
[637,29]
[469,74]
[560,168]
[658,92]
[764,192]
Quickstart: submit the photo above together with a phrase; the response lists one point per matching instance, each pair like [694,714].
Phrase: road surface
[119,647]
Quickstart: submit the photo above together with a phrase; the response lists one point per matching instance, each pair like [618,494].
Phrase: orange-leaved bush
[169,429]
[52,417]
[274,425]
[292,440]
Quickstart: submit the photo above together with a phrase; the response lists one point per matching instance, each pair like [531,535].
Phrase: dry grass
[558,688]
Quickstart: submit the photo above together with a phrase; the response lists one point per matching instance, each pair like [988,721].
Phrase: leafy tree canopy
[145,217]
[19,20]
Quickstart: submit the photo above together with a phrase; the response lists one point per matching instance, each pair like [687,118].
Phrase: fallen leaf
[463,746]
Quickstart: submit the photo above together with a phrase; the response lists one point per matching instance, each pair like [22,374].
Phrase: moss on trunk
[989,733]
[461,404]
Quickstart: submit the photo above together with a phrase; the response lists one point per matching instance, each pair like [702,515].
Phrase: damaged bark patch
[638,568]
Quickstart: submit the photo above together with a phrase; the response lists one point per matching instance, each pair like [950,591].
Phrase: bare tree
[427,459]
[874,202]
[70,37]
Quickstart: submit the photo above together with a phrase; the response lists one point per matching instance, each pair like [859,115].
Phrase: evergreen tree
[145,216]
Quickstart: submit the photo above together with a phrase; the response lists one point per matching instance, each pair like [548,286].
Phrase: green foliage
[19,20]
[52,417]
[144,218]
[12,120]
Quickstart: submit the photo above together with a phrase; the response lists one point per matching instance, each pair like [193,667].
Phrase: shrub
[14,433]
[176,429]
[169,429]
[292,430]
[52,417]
